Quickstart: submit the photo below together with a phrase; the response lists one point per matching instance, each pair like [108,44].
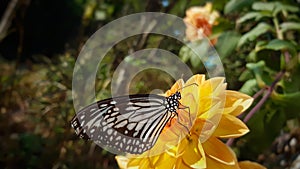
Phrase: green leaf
[246,75]
[184,53]
[254,15]
[263,6]
[283,7]
[236,5]
[287,93]
[258,69]
[252,35]
[198,52]
[291,17]
[248,16]
[178,8]
[265,125]
[289,26]
[274,7]
[224,24]
[278,44]
[195,60]
[290,102]
[195,51]
[291,83]
[252,56]
[257,127]
[274,121]
[227,43]
[218,5]
[249,86]
[259,45]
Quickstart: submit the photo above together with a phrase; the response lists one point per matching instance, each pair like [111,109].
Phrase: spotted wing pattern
[128,124]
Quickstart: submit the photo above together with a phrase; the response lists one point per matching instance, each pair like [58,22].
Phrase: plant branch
[7,17]
[257,94]
[264,98]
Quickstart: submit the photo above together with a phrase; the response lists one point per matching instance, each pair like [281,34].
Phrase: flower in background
[213,110]
[199,22]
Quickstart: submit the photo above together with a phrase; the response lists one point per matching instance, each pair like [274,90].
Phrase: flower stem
[260,92]
[262,100]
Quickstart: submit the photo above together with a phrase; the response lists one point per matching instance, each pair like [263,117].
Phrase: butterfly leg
[178,120]
[186,107]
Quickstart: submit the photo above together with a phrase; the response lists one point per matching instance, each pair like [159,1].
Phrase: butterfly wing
[128,124]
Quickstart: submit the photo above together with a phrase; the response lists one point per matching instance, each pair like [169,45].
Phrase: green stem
[278,31]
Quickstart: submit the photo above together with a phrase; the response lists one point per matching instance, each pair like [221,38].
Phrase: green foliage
[253,34]
[223,47]
[35,117]
[195,52]
[270,41]
[236,5]
[286,26]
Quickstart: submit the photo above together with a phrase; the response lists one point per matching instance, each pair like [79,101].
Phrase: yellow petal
[212,87]
[208,127]
[191,154]
[166,162]
[218,151]
[198,79]
[199,127]
[239,101]
[170,134]
[191,87]
[250,165]
[208,6]
[202,162]
[178,85]
[189,101]
[208,106]
[218,85]
[230,127]
[181,165]
[154,159]
[133,162]
[145,164]
[122,161]
[213,164]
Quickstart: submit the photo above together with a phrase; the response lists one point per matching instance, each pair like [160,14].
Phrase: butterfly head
[173,102]
[177,95]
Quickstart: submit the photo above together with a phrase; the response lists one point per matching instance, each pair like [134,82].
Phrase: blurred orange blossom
[199,22]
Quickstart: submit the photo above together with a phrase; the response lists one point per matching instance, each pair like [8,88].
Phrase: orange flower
[199,22]
[213,111]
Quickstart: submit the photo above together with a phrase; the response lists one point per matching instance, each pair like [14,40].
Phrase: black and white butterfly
[127,124]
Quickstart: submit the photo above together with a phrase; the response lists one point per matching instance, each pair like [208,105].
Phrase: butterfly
[127,124]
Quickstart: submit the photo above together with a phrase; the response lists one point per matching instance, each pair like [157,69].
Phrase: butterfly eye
[178,95]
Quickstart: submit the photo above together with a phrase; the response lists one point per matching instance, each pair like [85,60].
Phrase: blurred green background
[41,39]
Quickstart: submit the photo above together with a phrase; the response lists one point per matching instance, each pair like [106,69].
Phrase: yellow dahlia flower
[213,111]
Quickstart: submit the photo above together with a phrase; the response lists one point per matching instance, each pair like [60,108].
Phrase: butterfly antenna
[188,86]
